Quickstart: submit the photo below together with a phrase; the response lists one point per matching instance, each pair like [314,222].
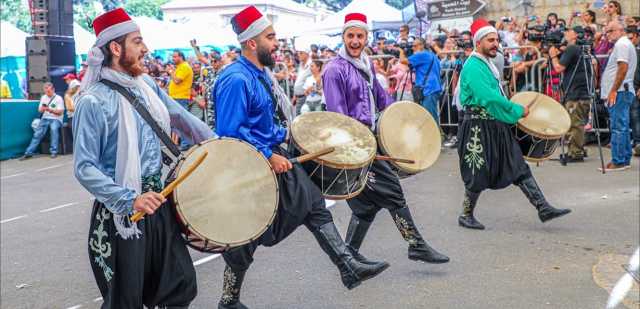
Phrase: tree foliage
[150,8]
[17,13]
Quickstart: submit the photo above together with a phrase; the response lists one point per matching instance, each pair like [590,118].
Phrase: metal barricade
[449,77]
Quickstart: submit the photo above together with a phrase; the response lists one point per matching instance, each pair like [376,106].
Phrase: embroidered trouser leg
[151,269]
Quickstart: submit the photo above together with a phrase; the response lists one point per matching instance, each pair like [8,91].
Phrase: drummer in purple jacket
[351,88]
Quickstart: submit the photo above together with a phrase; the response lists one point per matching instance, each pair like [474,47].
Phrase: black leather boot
[231,285]
[419,250]
[352,272]
[355,235]
[546,212]
[467,219]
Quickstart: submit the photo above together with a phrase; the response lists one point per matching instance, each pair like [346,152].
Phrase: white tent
[13,40]
[379,16]
[208,33]
[159,34]
[84,39]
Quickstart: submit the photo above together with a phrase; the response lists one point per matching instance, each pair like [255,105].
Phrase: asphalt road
[517,262]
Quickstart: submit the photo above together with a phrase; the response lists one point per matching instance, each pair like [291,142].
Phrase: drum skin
[547,118]
[540,132]
[231,198]
[407,130]
[354,143]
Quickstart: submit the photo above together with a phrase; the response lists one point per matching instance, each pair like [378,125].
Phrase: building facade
[283,13]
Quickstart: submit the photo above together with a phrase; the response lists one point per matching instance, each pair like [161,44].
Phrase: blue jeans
[619,123]
[634,114]
[41,130]
[184,143]
[431,103]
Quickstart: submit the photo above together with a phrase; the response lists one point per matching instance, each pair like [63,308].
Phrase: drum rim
[537,134]
[197,233]
[381,141]
[331,164]
[347,196]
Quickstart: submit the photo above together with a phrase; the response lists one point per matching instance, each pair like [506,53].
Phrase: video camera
[547,37]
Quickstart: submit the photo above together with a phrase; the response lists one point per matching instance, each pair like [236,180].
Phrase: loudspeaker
[61,17]
[49,59]
[52,17]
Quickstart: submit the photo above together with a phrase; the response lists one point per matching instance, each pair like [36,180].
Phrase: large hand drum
[341,174]
[407,131]
[229,200]
[539,133]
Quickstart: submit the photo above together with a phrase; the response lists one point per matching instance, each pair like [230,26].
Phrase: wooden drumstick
[399,160]
[533,101]
[168,189]
[311,156]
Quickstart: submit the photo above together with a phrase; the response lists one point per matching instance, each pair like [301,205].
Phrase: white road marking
[13,219]
[97,299]
[50,167]
[58,207]
[11,176]
[75,307]
[206,259]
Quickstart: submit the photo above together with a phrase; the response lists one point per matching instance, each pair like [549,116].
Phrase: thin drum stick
[166,191]
[535,99]
[311,156]
[399,160]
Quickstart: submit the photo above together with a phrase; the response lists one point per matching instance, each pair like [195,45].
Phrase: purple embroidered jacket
[346,91]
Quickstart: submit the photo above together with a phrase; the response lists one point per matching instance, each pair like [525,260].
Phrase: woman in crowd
[314,101]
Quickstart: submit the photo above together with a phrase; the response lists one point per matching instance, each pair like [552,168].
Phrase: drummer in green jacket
[490,156]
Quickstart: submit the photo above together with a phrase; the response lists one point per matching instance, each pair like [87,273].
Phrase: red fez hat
[249,23]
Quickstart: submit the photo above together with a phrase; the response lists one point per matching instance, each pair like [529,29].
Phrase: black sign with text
[451,9]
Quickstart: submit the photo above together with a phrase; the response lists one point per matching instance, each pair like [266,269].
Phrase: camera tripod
[585,60]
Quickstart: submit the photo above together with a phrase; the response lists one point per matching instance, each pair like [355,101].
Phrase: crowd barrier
[15,126]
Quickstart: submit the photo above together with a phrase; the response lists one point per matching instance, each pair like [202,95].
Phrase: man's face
[417,46]
[49,90]
[196,67]
[614,32]
[570,35]
[404,31]
[303,56]
[130,57]
[355,40]
[488,46]
[265,44]
[176,58]
[634,38]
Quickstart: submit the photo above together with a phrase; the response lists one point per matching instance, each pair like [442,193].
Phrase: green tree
[150,8]
[84,12]
[17,13]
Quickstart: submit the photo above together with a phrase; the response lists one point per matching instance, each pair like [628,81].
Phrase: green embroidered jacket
[478,87]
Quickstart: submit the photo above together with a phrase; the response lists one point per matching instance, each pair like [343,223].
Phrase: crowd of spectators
[538,53]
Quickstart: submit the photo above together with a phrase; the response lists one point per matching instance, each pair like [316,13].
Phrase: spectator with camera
[618,92]
[52,109]
[575,85]
[529,57]
[427,88]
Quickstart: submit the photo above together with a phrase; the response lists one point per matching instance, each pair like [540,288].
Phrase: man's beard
[355,52]
[128,64]
[488,52]
[265,58]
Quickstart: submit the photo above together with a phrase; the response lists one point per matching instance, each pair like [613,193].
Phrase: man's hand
[193,43]
[611,100]
[148,202]
[280,164]
[526,112]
